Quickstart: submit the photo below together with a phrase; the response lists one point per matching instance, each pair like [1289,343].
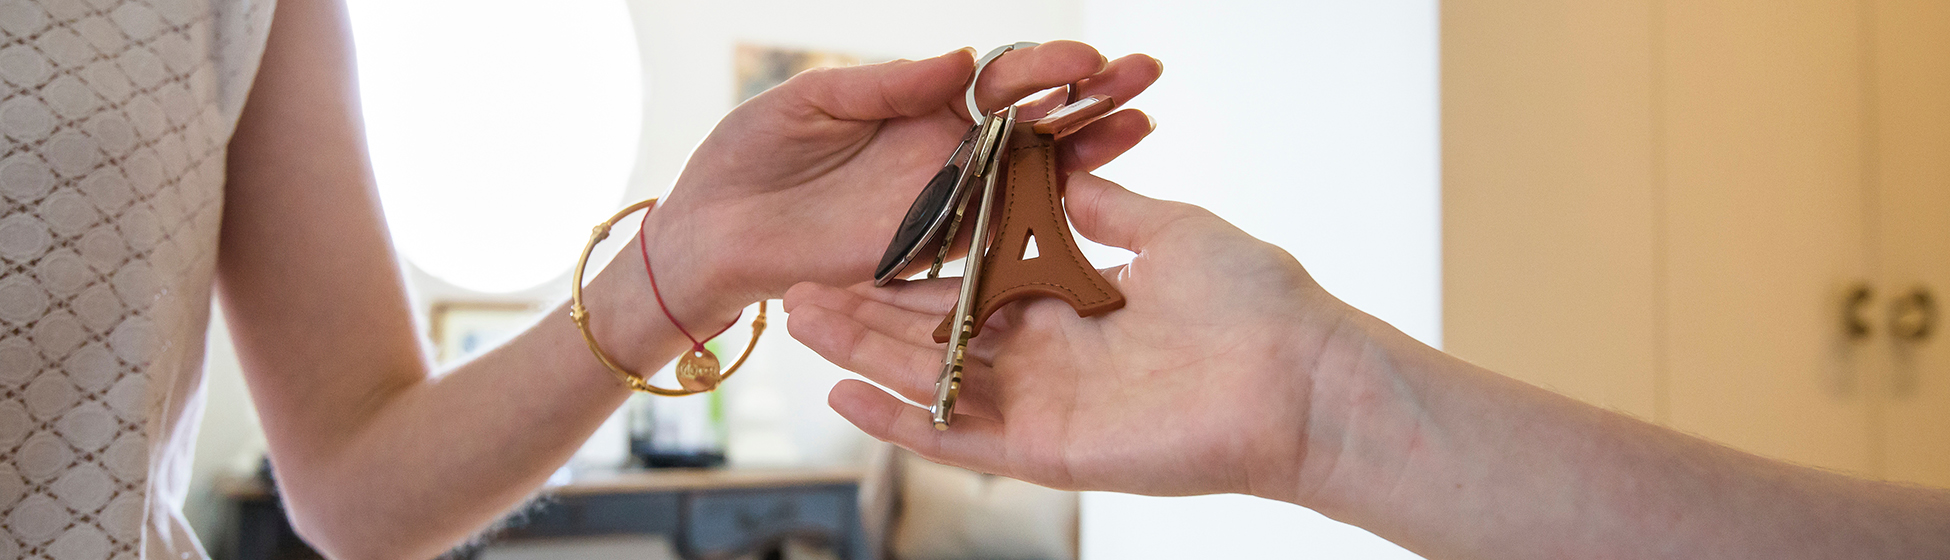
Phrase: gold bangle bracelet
[580,314]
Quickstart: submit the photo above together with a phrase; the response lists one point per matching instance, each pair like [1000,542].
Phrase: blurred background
[1729,217]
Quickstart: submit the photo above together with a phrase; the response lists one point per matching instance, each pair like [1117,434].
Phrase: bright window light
[500,130]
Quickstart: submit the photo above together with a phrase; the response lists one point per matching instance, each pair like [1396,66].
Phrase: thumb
[900,88]
[1108,213]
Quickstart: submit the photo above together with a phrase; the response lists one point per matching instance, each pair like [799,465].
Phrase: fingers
[974,443]
[1021,72]
[927,296]
[850,331]
[910,88]
[1109,214]
[1091,146]
[901,88]
[1102,141]
[1122,81]
[935,298]
[913,327]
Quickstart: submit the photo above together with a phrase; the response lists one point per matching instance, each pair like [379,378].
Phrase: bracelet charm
[698,370]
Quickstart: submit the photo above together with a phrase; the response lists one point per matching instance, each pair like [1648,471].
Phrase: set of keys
[1020,245]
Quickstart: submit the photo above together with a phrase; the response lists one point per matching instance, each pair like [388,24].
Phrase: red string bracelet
[698,370]
[697,346]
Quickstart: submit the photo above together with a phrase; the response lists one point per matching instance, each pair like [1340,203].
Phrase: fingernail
[969,50]
[1152,120]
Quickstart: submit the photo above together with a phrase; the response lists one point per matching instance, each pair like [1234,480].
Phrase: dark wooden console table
[705,513]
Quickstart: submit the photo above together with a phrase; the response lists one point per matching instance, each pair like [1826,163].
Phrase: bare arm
[1230,370]
[380,457]
[1455,461]
[376,456]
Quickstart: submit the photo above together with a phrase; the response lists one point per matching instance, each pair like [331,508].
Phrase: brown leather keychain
[1031,252]
[1021,245]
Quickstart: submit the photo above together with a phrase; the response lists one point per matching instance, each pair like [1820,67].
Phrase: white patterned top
[116,117]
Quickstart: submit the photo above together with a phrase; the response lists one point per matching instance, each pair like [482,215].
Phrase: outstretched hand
[808,180]
[1199,384]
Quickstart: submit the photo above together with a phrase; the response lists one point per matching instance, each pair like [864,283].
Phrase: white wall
[1312,125]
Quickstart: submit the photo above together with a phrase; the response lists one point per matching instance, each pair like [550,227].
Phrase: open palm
[807,181]
[1177,393]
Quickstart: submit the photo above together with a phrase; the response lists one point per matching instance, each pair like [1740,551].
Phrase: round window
[499,130]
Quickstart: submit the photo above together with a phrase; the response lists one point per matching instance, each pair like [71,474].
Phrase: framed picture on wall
[461,329]
[757,67]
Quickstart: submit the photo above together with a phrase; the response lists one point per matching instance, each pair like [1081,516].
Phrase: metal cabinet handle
[1853,325]
[1912,317]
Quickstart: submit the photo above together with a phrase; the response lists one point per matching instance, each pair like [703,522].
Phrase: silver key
[990,148]
[943,201]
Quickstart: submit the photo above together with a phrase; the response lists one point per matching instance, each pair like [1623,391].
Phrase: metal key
[943,201]
[936,217]
[960,206]
[987,166]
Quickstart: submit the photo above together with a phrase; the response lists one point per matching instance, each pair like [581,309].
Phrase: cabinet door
[1547,195]
[1911,80]
[1762,159]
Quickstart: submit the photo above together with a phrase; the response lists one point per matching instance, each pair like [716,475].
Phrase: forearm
[376,456]
[440,459]
[426,462]
[1455,461]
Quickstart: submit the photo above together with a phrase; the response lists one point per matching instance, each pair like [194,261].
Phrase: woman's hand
[1201,384]
[808,181]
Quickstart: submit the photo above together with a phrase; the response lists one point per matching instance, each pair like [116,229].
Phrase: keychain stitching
[1010,209]
[1055,209]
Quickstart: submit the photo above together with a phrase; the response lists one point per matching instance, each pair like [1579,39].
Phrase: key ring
[975,111]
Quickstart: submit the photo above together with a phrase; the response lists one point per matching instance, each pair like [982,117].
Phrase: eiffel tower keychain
[1021,245]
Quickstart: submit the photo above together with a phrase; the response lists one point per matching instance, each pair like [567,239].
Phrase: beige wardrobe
[1729,217]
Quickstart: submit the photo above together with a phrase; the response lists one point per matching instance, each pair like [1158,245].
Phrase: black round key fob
[923,223]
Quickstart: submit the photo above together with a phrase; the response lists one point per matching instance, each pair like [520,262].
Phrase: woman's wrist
[625,314]
[688,264]
[1360,424]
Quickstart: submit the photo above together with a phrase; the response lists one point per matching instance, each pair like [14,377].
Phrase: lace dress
[116,117]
